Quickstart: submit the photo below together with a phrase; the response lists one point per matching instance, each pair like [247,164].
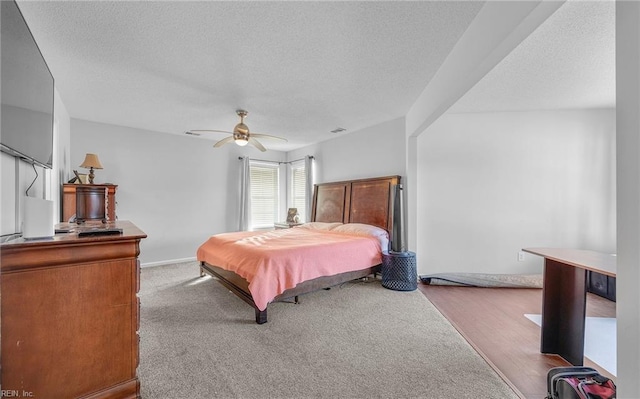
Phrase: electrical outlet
[520,256]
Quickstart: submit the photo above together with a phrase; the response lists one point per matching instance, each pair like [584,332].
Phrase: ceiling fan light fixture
[240,138]
[242,142]
[241,128]
[240,134]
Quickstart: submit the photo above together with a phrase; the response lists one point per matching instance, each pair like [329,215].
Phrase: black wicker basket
[399,271]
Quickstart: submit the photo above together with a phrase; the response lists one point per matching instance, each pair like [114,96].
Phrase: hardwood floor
[492,320]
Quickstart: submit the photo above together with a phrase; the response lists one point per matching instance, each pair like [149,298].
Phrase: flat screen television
[27,92]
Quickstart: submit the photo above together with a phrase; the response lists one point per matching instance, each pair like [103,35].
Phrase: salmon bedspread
[277,260]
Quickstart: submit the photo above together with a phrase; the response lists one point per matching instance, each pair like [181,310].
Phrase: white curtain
[308,168]
[245,195]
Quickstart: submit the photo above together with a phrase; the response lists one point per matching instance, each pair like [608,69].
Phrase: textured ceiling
[568,62]
[301,69]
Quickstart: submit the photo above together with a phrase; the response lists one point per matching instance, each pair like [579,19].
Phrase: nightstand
[399,271]
[285,225]
[69,200]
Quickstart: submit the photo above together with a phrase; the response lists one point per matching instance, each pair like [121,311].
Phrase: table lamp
[91,162]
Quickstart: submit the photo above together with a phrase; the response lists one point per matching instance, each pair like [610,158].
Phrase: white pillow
[367,230]
[319,225]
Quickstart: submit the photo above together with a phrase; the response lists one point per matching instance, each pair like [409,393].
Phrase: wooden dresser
[70,315]
[69,200]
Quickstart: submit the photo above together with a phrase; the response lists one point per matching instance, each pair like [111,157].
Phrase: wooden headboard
[355,201]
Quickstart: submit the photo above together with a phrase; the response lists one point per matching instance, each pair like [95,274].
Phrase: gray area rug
[484,280]
[357,340]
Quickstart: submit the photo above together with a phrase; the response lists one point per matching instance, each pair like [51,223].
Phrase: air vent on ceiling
[192,133]
[338,130]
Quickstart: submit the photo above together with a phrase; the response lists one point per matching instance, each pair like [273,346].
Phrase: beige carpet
[358,340]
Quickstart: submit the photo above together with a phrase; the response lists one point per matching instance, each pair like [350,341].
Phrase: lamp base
[91,176]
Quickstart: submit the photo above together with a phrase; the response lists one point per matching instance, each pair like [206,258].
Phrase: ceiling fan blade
[268,136]
[223,142]
[256,144]
[211,131]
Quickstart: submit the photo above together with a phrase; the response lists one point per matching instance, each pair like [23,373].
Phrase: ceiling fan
[240,134]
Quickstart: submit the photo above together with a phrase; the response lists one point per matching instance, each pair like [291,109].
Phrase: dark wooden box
[602,285]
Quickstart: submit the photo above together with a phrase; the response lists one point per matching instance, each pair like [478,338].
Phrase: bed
[346,220]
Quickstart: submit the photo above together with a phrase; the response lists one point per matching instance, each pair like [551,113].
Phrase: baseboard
[167,262]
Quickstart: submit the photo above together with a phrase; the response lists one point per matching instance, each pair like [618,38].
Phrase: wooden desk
[564,297]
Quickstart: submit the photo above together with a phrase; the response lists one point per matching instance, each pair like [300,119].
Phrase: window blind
[264,195]
[298,189]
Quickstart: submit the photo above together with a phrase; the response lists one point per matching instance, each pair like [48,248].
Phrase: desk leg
[564,298]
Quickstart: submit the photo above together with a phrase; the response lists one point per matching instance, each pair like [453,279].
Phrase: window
[270,196]
[264,195]
[298,190]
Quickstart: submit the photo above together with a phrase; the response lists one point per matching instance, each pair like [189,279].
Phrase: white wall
[61,152]
[375,151]
[178,189]
[490,184]
[18,176]
[628,200]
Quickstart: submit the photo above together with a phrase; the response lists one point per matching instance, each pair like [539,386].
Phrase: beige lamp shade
[91,161]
